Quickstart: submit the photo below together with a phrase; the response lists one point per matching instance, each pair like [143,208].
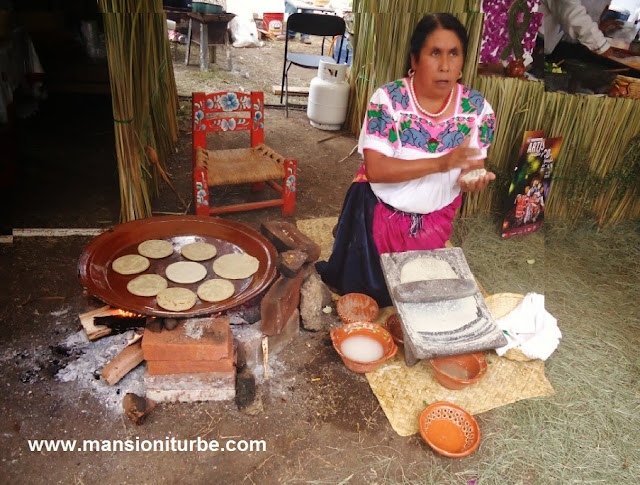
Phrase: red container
[272,22]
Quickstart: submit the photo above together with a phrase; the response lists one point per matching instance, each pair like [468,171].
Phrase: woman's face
[440,63]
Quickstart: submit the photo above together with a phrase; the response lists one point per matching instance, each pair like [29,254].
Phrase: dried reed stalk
[144,97]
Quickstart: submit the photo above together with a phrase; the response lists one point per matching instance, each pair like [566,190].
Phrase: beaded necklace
[424,111]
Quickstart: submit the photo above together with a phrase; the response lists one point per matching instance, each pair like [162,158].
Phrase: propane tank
[328,97]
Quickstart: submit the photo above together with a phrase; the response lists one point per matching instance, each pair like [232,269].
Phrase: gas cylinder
[328,97]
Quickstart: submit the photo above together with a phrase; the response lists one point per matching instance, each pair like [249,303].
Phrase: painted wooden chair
[257,165]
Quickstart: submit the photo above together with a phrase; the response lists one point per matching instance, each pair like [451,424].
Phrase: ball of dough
[474,175]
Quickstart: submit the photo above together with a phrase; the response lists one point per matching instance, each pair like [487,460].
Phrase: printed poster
[530,184]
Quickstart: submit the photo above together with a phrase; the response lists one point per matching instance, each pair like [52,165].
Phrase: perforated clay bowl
[357,307]
[458,371]
[449,430]
[363,329]
[394,328]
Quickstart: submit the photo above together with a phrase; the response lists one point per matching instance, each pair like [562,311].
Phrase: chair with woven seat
[256,165]
[312,24]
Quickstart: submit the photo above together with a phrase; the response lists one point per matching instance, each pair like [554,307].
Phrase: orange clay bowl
[364,329]
[449,429]
[394,328]
[357,307]
[458,371]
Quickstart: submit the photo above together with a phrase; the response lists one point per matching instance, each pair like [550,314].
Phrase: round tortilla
[130,264]
[420,269]
[147,285]
[216,290]
[186,272]
[199,251]
[235,266]
[155,248]
[176,299]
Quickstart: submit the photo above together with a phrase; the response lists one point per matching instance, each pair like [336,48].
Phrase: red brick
[215,343]
[166,367]
[279,303]
[285,236]
[290,263]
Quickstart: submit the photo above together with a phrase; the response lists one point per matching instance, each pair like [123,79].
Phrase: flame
[124,313]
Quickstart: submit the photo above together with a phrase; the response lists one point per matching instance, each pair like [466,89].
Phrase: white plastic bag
[244,32]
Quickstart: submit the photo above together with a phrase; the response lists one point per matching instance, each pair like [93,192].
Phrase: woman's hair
[430,23]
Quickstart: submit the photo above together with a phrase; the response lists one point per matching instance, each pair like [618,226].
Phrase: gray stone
[249,341]
[314,296]
[211,386]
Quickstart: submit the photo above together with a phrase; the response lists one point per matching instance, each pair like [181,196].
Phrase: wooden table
[208,31]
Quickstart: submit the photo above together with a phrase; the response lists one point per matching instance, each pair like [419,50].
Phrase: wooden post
[189,32]
[204,46]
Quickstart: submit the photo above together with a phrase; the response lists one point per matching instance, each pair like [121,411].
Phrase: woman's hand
[476,184]
[463,157]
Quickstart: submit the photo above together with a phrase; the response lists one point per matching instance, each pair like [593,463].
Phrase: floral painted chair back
[227,111]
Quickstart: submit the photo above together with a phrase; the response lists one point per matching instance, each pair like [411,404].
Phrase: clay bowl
[458,371]
[357,307]
[394,328]
[364,329]
[449,429]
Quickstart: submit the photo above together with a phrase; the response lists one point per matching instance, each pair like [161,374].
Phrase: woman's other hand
[463,157]
[476,184]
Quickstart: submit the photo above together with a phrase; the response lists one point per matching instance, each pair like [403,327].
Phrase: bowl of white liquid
[363,346]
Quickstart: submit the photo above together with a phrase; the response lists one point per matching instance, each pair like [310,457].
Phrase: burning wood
[121,320]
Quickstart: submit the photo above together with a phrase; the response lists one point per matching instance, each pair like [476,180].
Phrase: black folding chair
[312,24]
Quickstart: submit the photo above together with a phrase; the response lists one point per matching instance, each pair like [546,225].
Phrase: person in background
[579,21]
[289,8]
[421,135]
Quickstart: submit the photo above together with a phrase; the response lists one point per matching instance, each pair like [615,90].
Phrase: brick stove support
[279,303]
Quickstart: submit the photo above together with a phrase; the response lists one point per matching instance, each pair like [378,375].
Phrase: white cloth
[531,328]
[577,19]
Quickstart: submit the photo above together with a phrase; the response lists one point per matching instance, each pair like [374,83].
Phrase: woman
[420,136]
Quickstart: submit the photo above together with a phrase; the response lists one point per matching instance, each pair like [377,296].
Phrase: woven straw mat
[321,231]
[403,392]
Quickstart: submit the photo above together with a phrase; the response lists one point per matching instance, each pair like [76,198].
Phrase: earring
[411,72]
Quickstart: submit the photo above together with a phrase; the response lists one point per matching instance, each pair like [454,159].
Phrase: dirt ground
[321,423]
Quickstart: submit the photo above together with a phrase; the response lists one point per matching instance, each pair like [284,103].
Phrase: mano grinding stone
[434,290]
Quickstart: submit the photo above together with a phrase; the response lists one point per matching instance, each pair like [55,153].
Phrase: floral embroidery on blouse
[472,101]
[398,94]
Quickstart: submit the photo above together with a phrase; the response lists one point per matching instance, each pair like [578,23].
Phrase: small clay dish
[394,328]
[449,429]
[364,329]
[458,371]
[357,307]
